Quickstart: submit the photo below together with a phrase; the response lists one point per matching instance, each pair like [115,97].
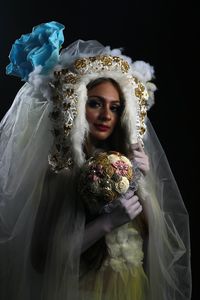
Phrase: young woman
[87,99]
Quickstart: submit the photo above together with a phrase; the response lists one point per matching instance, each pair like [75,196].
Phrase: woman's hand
[131,205]
[140,157]
[126,209]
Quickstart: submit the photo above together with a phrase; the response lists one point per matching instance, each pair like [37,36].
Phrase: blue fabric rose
[40,47]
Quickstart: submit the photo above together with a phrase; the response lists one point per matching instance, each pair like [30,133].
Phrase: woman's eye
[115,108]
[93,103]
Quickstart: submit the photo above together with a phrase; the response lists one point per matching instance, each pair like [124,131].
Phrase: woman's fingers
[143,163]
[129,194]
[142,159]
[131,206]
[135,210]
[129,201]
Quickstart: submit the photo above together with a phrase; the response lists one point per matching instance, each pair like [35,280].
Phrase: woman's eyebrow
[102,98]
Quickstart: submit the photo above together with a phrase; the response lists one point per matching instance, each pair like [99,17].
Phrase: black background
[163,33]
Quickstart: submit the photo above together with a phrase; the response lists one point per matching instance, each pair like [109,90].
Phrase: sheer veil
[169,235]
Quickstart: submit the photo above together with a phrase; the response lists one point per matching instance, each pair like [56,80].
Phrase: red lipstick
[101,127]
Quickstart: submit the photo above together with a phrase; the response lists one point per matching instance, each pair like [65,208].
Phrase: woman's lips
[101,127]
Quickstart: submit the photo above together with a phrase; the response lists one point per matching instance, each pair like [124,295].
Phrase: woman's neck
[92,146]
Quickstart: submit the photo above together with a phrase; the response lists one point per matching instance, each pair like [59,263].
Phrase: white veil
[169,235]
[25,142]
[27,183]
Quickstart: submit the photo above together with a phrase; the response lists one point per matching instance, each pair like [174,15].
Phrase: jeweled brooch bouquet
[104,177]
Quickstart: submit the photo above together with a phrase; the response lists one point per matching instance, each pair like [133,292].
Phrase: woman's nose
[105,113]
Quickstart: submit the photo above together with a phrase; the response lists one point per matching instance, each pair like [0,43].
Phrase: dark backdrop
[161,32]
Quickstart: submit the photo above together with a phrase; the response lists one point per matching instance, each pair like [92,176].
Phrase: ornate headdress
[74,68]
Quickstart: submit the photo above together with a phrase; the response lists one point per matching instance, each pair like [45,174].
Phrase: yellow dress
[121,276]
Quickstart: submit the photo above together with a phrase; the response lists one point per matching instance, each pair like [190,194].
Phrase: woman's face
[102,110]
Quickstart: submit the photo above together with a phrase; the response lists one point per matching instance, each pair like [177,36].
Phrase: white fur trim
[128,120]
[80,128]
[142,70]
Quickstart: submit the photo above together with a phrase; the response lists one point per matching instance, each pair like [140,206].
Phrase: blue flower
[40,47]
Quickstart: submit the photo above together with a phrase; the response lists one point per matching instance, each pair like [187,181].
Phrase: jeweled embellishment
[106,60]
[70,78]
[64,112]
[80,63]
[99,63]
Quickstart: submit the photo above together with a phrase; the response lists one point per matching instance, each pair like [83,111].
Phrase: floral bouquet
[103,178]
